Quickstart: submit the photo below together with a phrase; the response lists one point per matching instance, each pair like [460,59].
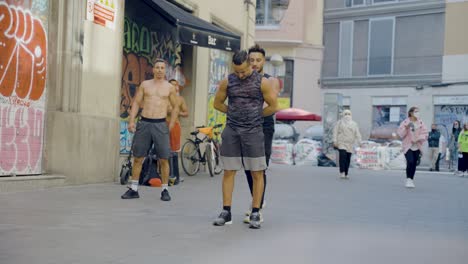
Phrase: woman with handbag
[345,136]
[413,133]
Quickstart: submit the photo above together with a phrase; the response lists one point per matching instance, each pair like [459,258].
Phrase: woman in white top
[345,136]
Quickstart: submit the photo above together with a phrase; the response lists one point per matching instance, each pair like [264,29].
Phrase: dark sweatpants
[345,161]
[411,162]
[463,162]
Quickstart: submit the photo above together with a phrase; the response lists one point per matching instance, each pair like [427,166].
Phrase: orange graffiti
[23,45]
[135,71]
[23,3]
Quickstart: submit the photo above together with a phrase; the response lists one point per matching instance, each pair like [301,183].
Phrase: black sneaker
[130,194]
[165,195]
[176,182]
[223,219]
[255,220]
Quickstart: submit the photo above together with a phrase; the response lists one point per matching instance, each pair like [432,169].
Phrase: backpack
[149,168]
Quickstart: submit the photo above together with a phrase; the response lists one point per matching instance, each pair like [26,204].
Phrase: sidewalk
[311,217]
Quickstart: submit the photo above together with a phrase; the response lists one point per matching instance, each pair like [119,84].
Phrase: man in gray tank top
[243,138]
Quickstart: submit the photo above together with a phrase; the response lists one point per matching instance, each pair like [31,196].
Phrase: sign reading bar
[207,39]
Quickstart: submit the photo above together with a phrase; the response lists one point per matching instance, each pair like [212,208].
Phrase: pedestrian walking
[345,136]
[243,138]
[442,151]
[463,150]
[453,146]
[434,139]
[154,96]
[175,133]
[414,134]
[257,60]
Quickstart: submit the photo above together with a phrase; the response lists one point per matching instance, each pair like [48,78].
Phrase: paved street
[310,217]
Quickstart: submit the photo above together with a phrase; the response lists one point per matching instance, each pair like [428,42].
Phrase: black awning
[192,30]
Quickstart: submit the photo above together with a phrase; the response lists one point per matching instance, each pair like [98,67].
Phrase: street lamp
[276,60]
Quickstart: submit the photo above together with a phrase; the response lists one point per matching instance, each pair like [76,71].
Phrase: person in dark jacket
[434,138]
[456,129]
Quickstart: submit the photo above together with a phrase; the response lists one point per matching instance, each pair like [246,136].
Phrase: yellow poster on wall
[284,102]
[220,63]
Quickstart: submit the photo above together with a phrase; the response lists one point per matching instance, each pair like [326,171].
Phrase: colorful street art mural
[445,115]
[220,62]
[141,47]
[23,71]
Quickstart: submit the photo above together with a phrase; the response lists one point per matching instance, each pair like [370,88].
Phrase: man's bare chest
[157,92]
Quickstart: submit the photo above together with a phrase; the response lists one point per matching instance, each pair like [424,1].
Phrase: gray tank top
[245,105]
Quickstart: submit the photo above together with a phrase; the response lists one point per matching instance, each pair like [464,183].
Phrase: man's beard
[259,70]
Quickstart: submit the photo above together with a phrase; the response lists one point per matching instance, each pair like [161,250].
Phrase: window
[383,1]
[270,12]
[385,121]
[381,43]
[346,103]
[285,73]
[351,3]
[346,49]
[387,114]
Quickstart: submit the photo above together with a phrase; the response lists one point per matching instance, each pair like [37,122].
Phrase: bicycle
[191,156]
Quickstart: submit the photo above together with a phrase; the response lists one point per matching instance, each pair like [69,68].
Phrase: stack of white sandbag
[368,156]
[306,152]
[371,155]
[393,156]
[282,152]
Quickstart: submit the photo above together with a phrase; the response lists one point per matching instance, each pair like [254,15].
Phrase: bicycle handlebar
[215,126]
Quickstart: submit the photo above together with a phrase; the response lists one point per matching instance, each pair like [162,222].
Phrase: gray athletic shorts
[243,147]
[149,132]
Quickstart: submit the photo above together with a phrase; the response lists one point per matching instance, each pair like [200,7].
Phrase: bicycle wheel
[209,159]
[124,175]
[217,158]
[190,158]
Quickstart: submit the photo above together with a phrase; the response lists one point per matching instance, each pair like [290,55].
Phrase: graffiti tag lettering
[23,45]
[22,139]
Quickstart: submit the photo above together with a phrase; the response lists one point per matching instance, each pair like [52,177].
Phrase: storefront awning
[192,30]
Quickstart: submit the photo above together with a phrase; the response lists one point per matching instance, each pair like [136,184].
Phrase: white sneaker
[247,218]
[247,213]
[342,175]
[461,174]
[409,183]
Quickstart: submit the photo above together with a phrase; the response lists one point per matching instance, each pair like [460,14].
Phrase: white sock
[134,185]
[164,187]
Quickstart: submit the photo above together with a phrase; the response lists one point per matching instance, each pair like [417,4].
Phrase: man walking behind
[434,138]
[243,139]
[154,96]
[257,60]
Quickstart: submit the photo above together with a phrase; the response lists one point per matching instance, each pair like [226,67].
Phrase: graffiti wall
[142,45]
[220,63]
[23,70]
[445,115]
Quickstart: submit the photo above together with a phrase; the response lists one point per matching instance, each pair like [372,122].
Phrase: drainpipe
[247,4]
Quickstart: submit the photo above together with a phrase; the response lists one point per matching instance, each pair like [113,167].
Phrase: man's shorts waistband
[152,120]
